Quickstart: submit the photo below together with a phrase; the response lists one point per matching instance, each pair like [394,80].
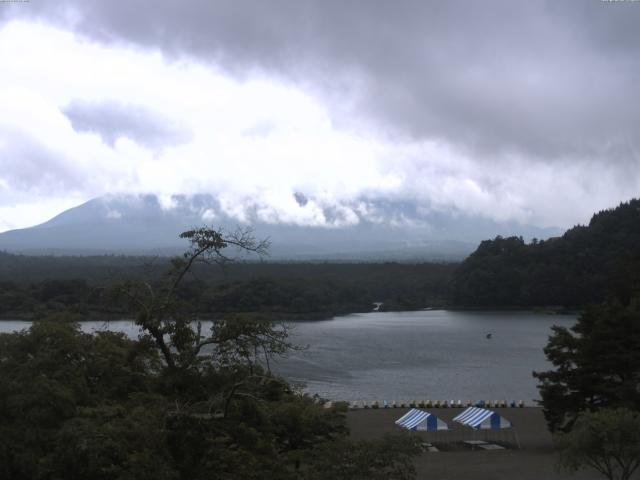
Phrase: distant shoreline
[550,310]
[300,317]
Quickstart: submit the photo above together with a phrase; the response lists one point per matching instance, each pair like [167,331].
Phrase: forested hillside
[585,265]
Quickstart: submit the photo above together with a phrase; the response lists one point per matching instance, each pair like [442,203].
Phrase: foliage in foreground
[176,403]
[364,460]
[101,406]
[607,441]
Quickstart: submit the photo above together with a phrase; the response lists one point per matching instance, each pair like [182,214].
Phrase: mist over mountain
[360,230]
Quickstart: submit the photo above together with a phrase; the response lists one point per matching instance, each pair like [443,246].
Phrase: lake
[433,354]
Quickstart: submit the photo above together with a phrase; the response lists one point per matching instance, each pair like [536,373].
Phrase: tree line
[289,291]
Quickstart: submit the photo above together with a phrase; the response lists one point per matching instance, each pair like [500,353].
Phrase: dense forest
[31,287]
[585,265]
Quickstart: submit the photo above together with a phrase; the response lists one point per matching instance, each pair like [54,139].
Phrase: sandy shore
[534,460]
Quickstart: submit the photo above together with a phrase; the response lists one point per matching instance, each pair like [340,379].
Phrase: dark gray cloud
[544,79]
[300,198]
[112,120]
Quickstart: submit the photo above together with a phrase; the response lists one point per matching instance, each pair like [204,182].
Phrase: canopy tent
[422,421]
[483,419]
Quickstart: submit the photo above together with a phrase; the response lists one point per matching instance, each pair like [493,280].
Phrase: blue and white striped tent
[420,420]
[481,418]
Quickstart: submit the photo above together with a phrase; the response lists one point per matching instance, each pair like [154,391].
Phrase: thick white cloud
[257,140]
[79,119]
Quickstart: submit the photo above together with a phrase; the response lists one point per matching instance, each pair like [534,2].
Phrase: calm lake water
[434,354]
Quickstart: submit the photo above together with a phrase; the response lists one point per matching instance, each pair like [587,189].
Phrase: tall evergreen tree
[596,364]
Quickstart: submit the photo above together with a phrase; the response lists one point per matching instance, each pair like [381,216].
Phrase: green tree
[68,398]
[607,441]
[175,403]
[173,325]
[391,457]
[301,423]
[596,364]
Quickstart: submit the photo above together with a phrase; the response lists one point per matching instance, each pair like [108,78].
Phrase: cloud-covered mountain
[364,229]
[524,111]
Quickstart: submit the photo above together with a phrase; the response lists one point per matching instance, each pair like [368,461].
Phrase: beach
[534,460]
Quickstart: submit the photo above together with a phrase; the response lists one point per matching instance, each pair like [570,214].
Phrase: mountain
[376,229]
[585,265]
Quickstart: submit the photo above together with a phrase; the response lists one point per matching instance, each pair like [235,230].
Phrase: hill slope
[583,266]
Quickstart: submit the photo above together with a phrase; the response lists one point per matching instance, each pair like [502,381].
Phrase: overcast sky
[518,110]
